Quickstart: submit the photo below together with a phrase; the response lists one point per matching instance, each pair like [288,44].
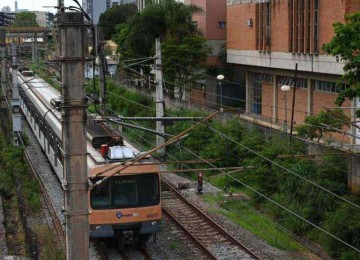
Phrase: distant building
[6,9]
[96,7]
[44,19]
[212,24]
[6,19]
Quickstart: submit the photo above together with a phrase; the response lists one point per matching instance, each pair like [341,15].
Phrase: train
[125,207]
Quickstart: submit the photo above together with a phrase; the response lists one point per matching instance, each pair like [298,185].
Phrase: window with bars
[264,77]
[332,87]
[303,26]
[263,26]
[290,81]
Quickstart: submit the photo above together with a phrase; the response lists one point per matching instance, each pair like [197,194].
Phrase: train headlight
[153,223]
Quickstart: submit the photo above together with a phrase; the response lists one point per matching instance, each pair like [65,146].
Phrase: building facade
[96,7]
[6,19]
[44,19]
[212,24]
[265,41]
[141,4]
[6,9]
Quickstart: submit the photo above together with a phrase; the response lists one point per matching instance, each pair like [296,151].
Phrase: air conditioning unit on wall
[249,22]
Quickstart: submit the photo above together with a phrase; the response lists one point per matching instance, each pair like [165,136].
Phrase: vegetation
[345,46]
[315,126]
[232,148]
[171,21]
[191,53]
[25,19]
[114,16]
[40,70]
[11,159]
[47,241]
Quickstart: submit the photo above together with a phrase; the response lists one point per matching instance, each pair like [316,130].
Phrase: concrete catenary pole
[72,56]
[3,54]
[159,99]
[102,72]
[15,100]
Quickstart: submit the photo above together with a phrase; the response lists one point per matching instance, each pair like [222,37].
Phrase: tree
[114,16]
[171,21]
[168,19]
[184,62]
[315,126]
[345,46]
[25,19]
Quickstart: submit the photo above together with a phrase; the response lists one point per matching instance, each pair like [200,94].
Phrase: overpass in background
[25,32]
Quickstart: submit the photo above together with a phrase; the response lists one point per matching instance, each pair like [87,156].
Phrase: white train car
[126,207]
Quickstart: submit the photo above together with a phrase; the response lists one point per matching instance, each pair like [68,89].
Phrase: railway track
[109,251]
[204,232]
[56,223]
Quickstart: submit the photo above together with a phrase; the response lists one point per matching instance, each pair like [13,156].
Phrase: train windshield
[126,192]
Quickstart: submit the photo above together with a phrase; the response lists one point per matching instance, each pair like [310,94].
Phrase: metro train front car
[126,206]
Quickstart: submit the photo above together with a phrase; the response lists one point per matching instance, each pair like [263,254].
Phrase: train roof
[119,169]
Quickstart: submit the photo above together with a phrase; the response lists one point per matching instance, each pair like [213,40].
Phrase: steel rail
[145,253]
[55,220]
[197,242]
[218,228]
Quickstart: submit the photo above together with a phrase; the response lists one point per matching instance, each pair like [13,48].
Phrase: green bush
[275,182]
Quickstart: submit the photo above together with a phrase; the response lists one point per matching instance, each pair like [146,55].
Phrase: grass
[15,234]
[173,245]
[245,216]
[49,249]
[39,70]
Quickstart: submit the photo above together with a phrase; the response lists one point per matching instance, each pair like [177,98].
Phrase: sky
[35,5]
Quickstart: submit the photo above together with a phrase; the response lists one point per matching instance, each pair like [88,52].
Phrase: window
[303,29]
[126,192]
[316,26]
[264,77]
[263,26]
[290,81]
[332,87]
[222,24]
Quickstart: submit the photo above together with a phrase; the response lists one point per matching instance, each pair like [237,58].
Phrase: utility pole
[100,50]
[15,100]
[33,49]
[293,101]
[36,49]
[159,99]
[3,71]
[72,58]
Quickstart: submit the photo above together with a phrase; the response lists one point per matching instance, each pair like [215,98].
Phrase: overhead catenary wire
[321,127]
[296,215]
[284,168]
[231,83]
[281,206]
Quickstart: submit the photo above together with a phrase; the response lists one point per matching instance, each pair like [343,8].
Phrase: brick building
[266,38]
[212,24]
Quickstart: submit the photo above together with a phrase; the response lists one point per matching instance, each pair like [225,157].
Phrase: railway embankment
[24,230]
[3,246]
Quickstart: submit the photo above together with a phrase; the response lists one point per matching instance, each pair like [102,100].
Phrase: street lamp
[220,78]
[285,88]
